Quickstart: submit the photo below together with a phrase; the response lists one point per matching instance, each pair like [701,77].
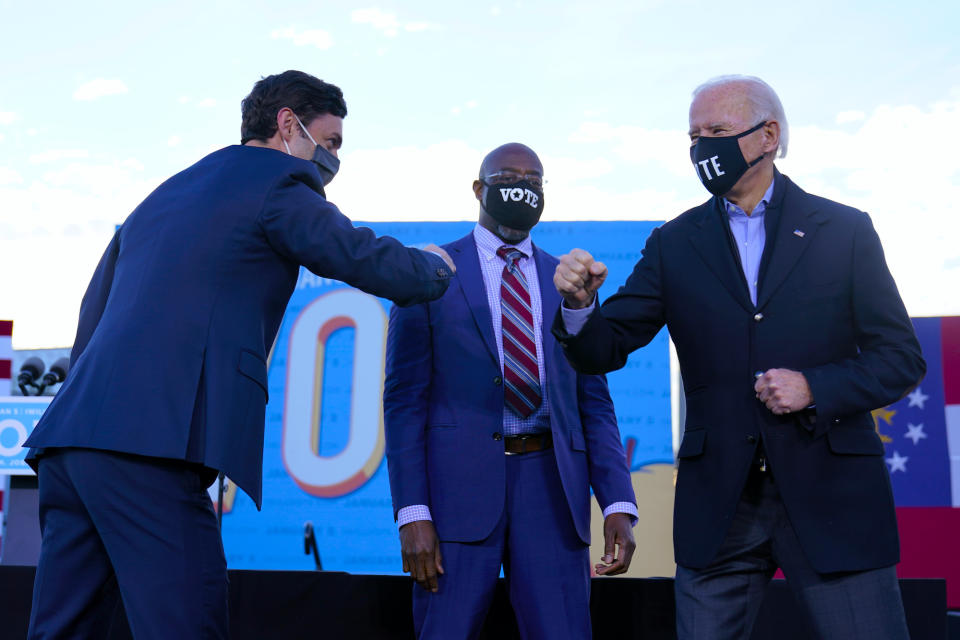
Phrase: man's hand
[783,391]
[443,254]
[617,531]
[578,277]
[421,553]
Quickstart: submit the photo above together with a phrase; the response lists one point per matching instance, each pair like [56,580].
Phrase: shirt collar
[758,211]
[488,243]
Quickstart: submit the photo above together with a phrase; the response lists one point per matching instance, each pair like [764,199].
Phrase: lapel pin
[798,233]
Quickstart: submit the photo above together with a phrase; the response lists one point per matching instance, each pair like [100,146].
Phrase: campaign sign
[18,416]
[324,445]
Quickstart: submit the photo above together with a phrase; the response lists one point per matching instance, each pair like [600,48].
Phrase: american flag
[6,357]
[6,369]
[922,437]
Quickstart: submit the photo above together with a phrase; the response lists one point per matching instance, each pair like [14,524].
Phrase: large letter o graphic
[331,476]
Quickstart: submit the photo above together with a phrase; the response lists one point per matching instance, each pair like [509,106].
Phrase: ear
[478,190]
[286,123]
[771,136]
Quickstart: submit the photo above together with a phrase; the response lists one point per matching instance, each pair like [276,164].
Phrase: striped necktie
[521,373]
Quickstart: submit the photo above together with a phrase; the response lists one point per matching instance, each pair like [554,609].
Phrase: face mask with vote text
[517,205]
[719,162]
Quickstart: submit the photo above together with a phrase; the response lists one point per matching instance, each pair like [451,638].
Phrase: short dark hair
[306,95]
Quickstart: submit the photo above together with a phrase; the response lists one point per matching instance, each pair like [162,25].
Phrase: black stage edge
[310,604]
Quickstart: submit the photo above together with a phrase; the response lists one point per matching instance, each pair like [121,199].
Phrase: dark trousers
[721,601]
[141,527]
[545,563]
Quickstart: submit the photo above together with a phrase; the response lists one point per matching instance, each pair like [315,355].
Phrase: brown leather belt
[527,443]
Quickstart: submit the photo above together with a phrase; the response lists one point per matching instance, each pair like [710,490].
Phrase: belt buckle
[523,437]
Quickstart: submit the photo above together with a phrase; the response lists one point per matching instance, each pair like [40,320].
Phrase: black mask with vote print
[517,205]
[719,162]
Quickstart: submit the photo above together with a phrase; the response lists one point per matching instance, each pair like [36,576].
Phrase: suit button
[751,439]
[498,381]
[758,317]
[497,436]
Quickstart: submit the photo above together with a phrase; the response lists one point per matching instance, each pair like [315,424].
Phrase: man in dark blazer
[168,380]
[789,330]
[493,440]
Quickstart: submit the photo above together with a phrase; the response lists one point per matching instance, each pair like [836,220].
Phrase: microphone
[310,544]
[57,373]
[31,369]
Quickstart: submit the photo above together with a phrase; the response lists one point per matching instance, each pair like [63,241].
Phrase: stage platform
[309,604]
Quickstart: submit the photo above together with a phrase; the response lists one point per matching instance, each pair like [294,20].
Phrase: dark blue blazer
[828,307]
[175,327]
[443,411]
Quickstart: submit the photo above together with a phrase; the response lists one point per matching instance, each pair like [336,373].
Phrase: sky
[102,101]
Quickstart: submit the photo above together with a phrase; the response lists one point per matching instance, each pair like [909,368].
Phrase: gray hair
[763,100]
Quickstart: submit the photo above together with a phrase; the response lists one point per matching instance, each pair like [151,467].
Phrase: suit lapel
[549,301]
[464,254]
[795,231]
[713,245]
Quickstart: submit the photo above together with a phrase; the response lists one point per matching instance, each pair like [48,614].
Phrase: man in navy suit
[493,440]
[168,380]
[789,330]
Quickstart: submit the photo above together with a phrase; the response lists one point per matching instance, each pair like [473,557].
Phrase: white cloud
[206,103]
[9,176]
[571,192]
[418,26]
[64,216]
[58,155]
[302,37]
[660,148]
[898,166]
[99,88]
[845,117]
[387,23]
[8,117]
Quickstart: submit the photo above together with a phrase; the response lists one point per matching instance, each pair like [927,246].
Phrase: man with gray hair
[789,330]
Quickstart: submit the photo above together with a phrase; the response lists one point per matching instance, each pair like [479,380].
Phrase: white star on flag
[898,462]
[915,432]
[917,398]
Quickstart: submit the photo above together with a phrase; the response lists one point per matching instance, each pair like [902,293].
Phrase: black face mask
[327,164]
[517,205]
[719,162]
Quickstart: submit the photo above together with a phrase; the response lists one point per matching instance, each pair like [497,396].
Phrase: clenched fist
[783,391]
[578,277]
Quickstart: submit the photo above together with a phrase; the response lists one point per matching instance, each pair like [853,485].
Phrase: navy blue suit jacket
[828,307]
[170,354]
[443,406]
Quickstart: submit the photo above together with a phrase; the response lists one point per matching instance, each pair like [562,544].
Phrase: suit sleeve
[628,320]
[606,459]
[302,226]
[889,362]
[406,397]
[95,298]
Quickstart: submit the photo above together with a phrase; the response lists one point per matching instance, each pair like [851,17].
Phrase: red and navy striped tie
[521,373]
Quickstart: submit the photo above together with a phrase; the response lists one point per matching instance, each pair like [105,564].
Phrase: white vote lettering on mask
[517,194]
[716,168]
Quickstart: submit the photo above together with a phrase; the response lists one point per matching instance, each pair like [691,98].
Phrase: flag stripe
[950,344]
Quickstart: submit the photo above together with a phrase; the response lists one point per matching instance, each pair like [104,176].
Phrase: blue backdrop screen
[324,449]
